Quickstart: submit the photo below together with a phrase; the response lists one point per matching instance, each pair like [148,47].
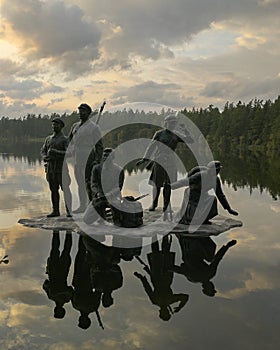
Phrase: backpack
[129,214]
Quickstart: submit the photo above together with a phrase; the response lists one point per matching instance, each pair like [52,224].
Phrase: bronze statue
[85,135]
[107,179]
[198,205]
[53,152]
[163,166]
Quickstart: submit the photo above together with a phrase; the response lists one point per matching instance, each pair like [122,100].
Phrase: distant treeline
[255,125]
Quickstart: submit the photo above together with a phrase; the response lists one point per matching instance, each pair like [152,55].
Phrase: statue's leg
[156,193]
[67,197]
[166,201]
[83,197]
[54,186]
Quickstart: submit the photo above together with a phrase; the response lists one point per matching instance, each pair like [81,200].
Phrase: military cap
[58,120]
[215,164]
[108,150]
[85,106]
[170,118]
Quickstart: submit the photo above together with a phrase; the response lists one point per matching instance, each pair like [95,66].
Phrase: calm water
[244,313]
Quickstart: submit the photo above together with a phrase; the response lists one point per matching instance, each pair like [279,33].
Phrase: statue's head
[108,152]
[84,322]
[57,124]
[84,111]
[59,312]
[170,121]
[208,288]
[107,299]
[215,165]
[164,314]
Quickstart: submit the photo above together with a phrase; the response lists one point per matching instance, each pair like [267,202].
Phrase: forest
[251,126]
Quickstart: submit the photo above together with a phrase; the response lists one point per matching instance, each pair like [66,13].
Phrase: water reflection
[97,273]
[262,170]
[84,299]
[245,310]
[159,269]
[200,261]
[58,265]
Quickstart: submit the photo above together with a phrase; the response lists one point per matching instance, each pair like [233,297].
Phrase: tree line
[255,125]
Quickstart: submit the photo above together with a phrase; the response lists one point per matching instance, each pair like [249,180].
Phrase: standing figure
[84,136]
[53,152]
[163,167]
[198,205]
[58,266]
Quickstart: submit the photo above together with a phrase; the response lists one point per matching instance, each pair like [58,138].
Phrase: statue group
[100,180]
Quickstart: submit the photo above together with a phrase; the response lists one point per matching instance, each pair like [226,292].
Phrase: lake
[243,314]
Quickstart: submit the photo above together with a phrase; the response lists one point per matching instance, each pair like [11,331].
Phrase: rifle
[4,260]
[100,112]
[99,319]
[146,267]
[140,197]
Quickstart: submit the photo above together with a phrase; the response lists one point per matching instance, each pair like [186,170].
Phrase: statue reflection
[129,247]
[200,261]
[159,269]
[105,273]
[84,299]
[57,269]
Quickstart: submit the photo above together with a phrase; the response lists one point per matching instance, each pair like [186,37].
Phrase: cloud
[232,88]
[150,28]
[210,49]
[151,91]
[54,31]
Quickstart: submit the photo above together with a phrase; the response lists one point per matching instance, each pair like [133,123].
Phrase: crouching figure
[198,205]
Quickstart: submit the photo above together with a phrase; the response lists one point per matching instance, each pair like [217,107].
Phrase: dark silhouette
[5,259]
[129,247]
[107,181]
[198,205]
[160,263]
[84,299]
[200,261]
[105,273]
[85,135]
[53,153]
[58,266]
[163,166]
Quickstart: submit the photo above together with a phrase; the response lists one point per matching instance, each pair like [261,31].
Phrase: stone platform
[153,225]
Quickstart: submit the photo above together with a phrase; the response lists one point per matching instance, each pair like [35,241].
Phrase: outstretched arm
[181,183]
[222,198]
[183,298]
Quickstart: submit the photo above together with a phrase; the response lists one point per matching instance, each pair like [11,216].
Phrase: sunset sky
[181,53]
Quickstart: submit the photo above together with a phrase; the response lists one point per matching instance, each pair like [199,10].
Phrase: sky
[55,54]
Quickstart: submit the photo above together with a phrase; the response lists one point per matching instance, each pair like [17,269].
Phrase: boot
[68,202]
[55,205]
[156,193]
[166,202]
